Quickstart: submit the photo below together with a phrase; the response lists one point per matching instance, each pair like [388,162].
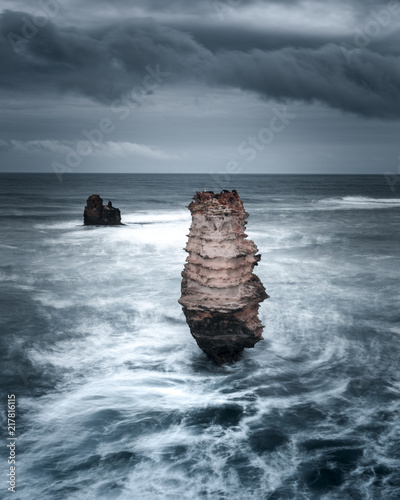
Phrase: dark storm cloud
[97,63]
[369,86]
[244,38]
[187,5]
[361,8]
[106,62]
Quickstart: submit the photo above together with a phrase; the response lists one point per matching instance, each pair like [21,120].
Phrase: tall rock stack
[220,294]
[97,214]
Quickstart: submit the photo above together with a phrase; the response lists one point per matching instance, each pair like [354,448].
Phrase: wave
[361,202]
[151,217]
[61,225]
[155,217]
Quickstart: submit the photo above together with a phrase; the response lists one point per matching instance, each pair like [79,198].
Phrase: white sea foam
[132,407]
[359,202]
[156,217]
[62,225]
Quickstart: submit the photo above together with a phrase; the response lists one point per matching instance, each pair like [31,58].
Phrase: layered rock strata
[220,294]
[97,214]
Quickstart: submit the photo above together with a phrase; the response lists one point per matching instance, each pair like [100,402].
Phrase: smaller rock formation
[220,293]
[97,214]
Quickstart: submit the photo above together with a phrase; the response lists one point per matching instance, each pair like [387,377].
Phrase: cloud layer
[350,73]
[108,148]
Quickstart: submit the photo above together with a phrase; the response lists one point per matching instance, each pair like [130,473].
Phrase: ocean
[114,400]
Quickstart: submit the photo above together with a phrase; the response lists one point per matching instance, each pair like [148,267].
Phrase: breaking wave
[361,202]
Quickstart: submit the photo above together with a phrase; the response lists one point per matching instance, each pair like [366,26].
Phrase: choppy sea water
[116,401]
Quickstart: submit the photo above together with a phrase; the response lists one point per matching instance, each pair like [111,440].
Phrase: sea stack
[97,214]
[220,294]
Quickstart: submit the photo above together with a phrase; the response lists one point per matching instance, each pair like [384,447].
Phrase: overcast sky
[289,86]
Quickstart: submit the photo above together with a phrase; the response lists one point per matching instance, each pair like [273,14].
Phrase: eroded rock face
[97,214]
[220,293]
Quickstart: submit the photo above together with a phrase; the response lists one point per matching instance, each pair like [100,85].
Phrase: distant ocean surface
[116,401]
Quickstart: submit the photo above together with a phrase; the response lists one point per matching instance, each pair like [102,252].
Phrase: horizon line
[189,173]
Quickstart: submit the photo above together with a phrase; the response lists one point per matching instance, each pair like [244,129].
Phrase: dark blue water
[115,399]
